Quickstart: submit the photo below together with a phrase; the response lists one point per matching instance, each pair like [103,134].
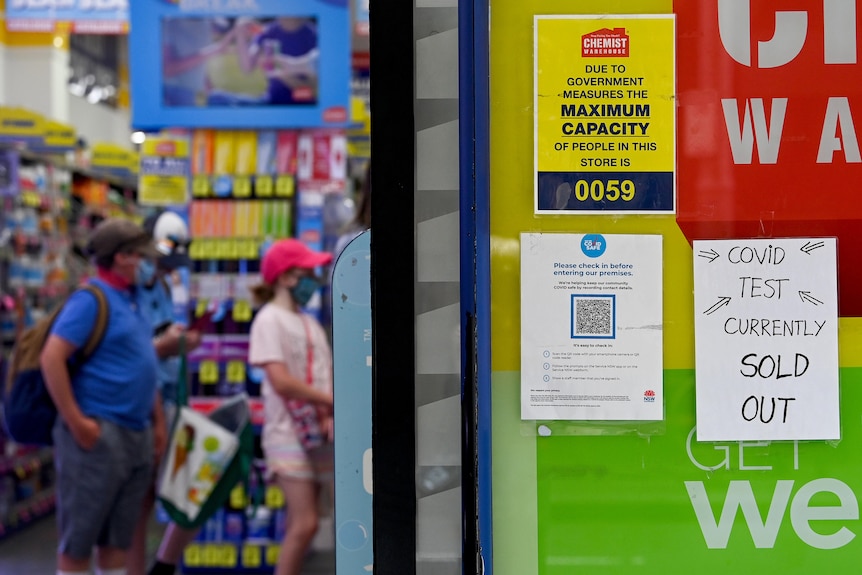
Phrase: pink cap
[291,253]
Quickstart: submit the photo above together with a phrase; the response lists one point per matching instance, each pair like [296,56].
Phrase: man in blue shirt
[104,436]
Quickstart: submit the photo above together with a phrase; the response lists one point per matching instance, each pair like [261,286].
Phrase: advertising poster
[766,339]
[84,16]
[267,63]
[605,114]
[164,172]
[591,327]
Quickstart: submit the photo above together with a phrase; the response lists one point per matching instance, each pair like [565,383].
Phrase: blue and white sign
[240,63]
[591,327]
[86,16]
[351,347]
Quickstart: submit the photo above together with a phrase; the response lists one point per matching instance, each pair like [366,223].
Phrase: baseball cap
[115,235]
[290,253]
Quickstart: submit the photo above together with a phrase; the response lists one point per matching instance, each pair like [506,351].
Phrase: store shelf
[225,557]
[24,513]
[26,463]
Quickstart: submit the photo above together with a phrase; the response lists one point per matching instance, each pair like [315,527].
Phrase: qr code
[593,317]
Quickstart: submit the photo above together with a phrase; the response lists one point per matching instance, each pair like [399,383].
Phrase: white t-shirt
[280,335]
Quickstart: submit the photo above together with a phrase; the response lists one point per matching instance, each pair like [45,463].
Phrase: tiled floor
[31,551]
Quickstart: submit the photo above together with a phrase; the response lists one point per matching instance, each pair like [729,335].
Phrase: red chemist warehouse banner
[770,108]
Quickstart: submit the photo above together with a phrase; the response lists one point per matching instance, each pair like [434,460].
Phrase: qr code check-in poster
[591,327]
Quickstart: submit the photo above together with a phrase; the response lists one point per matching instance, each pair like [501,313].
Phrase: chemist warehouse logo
[605,43]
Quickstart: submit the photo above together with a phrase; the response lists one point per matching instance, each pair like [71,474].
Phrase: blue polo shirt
[158,307]
[118,382]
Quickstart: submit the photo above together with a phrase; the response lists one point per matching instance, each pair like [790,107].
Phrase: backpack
[28,410]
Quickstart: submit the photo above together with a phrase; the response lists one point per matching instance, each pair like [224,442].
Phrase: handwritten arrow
[808,298]
[710,255]
[722,301]
[809,247]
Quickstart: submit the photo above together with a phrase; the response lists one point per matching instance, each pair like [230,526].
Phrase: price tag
[284,186]
[252,250]
[211,556]
[192,555]
[228,556]
[272,555]
[241,311]
[221,249]
[241,187]
[231,249]
[195,249]
[201,186]
[274,497]
[237,497]
[264,186]
[209,250]
[251,556]
[236,371]
[209,372]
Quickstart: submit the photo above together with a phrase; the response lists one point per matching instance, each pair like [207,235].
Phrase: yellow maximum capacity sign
[605,114]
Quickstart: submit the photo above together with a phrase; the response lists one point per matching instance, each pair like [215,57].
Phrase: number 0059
[598,190]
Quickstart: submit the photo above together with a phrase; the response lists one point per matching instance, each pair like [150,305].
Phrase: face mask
[146,272]
[304,289]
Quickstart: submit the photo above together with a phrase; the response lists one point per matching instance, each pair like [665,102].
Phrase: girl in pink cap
[293,350]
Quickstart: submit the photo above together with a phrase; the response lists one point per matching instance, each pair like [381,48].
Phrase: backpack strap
[101,325]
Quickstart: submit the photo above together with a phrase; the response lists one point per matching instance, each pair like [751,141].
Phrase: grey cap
[116,235]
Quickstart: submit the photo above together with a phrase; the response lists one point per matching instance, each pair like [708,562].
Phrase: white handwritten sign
[766,339]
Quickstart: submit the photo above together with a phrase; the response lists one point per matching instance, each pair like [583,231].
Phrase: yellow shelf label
[272,555]
[209,372]
[284,186]
[201,186]
[195,250]
[251,556]
[231,249]
[209,250]
[237,497]
[228,556]
[236,371]
[242,187]
[252,249]
[211,556]
[264,186]
[192,555]
[241,311]
[274,497]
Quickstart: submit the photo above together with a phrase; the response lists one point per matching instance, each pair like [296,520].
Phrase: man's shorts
[100,491]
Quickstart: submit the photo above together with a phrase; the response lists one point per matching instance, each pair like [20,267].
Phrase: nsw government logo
[649,396]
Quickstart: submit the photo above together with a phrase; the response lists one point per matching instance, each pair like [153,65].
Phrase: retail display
[243,197]
[48,204]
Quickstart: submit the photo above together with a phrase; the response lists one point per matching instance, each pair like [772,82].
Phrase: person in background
[287,53]
[110,421]
[293,350]
[187,46]
[362,220]
[171,237]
